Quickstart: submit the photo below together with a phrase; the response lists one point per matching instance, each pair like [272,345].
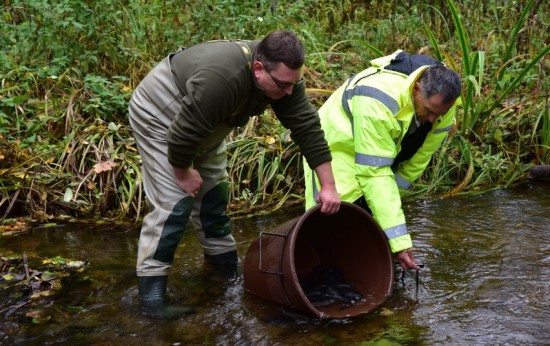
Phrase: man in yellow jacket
[383,126]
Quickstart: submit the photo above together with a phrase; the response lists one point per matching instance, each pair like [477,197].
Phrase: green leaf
[114,127]
[498,135]
[68,195]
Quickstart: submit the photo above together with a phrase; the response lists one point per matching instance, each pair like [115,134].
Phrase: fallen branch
[13,307]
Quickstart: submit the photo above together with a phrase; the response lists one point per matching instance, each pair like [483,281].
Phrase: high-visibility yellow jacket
[365,121]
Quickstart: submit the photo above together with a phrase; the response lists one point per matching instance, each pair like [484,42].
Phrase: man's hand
[329,199]
[189,180]
[328,196]
[406,259]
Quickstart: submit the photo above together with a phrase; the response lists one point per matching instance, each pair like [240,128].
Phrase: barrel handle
[260,264]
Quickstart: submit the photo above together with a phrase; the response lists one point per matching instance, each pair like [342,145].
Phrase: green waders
[155,103]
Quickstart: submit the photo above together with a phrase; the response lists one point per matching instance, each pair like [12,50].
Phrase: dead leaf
[75,264]
[42,294]
[386,312]
[104,166]
[34,314]
[269,140]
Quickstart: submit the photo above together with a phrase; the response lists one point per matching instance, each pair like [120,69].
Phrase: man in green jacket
[383,126]
[181,113]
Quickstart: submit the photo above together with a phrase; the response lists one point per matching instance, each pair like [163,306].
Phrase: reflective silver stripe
[396,231]
[401,182]
[368,91]
[377,94]
[345,103]
[445,129]
[371,160]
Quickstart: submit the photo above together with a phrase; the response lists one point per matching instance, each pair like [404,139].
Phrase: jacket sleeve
[375,133]
[298,115]
[411,169]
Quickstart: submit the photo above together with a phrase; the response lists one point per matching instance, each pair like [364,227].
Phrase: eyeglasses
[284,85]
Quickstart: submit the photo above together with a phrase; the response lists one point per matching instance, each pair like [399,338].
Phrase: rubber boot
[225,265]
[151,293]
[228,258]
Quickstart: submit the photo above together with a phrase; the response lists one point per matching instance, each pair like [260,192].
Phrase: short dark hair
[440,79]
[280,46]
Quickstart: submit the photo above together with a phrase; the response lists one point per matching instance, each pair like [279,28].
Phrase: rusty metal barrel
[280,260]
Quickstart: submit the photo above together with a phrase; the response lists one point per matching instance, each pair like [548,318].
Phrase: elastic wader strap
[246,50]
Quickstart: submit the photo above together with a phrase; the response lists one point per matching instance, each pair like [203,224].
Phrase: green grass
[67,70]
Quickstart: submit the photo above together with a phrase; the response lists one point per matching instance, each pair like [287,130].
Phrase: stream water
[485,282]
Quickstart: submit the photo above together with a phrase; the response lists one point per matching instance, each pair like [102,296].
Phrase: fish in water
[327,287]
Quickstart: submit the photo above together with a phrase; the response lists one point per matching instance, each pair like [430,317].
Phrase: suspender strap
[246,51]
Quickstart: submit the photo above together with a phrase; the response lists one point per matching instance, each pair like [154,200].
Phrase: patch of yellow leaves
[104,166]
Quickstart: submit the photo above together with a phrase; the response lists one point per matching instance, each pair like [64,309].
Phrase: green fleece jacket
[220,91]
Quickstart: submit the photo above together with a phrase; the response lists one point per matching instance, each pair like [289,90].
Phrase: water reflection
[487,267]
[485,282]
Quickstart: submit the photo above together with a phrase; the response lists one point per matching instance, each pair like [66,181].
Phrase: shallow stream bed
[485,282]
